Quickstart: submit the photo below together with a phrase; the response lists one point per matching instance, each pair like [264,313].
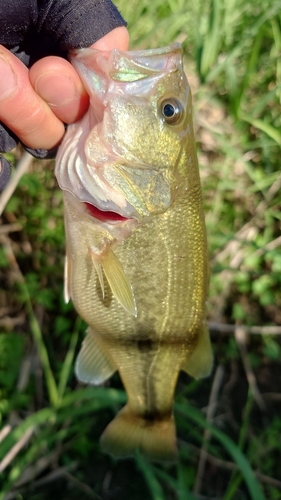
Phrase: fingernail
[8,80]
[56,90]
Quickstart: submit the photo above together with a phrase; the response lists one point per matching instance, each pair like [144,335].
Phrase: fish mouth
[104,215]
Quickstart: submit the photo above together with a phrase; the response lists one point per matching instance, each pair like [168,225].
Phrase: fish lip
[106,216]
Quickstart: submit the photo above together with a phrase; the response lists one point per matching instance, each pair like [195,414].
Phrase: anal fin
[200,363]
[93,365]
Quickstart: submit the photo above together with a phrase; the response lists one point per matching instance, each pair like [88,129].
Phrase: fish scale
[139,279]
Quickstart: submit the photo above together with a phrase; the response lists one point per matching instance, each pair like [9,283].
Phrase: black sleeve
[33,29]
[54,26]
[76,23]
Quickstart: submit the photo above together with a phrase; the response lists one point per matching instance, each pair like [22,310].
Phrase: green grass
[229,440]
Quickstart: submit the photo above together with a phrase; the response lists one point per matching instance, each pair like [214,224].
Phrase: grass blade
[233,450]
[149,476]
[68,362]
[263,126]
[34,325]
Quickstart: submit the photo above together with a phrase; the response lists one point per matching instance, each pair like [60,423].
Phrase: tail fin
[156,439]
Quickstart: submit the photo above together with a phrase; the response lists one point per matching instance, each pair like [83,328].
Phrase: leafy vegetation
[228,425]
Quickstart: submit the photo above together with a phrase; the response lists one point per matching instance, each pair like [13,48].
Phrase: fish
[136,263]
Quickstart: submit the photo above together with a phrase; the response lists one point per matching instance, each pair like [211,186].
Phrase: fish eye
[171,110]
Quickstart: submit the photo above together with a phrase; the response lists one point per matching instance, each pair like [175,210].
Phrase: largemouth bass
[136,253]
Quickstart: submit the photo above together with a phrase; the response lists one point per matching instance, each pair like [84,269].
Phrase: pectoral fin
[93,365]
[201,361]
[118,282]
[98,268]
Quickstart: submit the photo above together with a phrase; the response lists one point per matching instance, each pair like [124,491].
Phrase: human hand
[35,104]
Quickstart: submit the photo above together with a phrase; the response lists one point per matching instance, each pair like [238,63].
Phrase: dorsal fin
[93,364]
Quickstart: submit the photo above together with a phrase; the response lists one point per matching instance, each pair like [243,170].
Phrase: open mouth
[104,216]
